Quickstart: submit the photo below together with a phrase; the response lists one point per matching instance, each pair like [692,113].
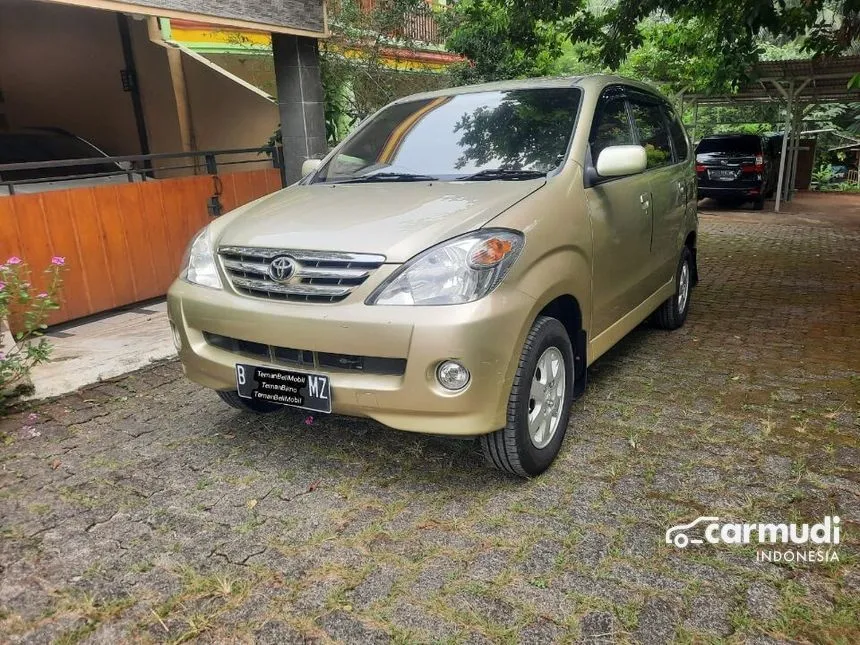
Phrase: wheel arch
[567,310]
[690,243]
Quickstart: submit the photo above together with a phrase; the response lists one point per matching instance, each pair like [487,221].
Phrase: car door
[620,211]
[669,187]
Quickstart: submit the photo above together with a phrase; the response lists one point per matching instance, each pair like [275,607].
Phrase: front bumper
[485,336]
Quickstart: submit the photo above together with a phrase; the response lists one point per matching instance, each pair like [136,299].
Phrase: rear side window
[676,130]
[611,126]
[737,145]
[653,132]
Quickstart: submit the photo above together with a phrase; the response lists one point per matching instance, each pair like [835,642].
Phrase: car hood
[397,220]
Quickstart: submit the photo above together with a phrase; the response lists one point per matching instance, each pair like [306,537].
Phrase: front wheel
[539,403]
[672,313]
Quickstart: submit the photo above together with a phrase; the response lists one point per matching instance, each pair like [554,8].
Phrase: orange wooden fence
[122,243]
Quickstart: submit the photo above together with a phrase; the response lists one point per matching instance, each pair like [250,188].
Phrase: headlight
[460,270]
[198,265]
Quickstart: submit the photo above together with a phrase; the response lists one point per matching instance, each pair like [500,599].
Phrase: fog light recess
[452,376]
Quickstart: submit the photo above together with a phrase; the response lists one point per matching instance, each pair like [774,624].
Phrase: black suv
[736,168]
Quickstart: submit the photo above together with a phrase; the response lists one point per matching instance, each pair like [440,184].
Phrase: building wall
[159,102]
[225,114]
[60,67]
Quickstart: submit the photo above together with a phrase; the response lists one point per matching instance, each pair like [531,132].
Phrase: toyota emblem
[282,268]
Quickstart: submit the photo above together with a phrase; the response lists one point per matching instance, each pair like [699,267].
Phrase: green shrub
[27,313]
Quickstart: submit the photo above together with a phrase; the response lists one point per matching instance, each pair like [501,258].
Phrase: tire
[248,405]
[512,449]
[670,315]
[759,204]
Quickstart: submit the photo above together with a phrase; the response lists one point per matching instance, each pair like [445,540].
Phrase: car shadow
[337,446]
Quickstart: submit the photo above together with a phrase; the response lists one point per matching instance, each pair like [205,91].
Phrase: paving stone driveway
[145,510]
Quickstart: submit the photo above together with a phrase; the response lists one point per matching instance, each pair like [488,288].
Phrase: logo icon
[282,268]
[677,534]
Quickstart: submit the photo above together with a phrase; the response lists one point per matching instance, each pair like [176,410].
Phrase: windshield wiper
[505,174]
[388,176]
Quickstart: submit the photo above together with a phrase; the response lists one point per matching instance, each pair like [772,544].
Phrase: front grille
[317,276]
[308,359]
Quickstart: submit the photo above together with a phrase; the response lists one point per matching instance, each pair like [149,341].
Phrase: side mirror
[618,161]
[310,165]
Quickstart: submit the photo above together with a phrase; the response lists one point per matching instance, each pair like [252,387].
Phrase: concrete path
[103,348]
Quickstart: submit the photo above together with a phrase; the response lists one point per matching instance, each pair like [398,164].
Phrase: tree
[362,63]
[700,44]
[496,45]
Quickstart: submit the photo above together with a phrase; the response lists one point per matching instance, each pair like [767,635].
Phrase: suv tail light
[758,166]
[700,167]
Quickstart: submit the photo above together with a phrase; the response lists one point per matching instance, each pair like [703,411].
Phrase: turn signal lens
[489,253]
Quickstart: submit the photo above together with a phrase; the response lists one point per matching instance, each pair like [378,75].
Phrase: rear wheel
[673,312]
[539,403]
[248,405]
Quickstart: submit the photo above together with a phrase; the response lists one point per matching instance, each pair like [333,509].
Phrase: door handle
[645,201]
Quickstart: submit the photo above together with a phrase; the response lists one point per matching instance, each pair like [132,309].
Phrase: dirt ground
[145,510]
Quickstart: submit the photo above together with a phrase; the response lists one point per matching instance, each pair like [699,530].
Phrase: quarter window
[679,140]
[611,127]
[653,133]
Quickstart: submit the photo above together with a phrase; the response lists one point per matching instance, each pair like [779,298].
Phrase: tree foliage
[362,64]
[496,44]
[698,44]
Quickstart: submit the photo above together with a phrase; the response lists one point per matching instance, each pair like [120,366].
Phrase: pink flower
[59,261]
[14,260]
[42,295]
[309,421]
[2,286]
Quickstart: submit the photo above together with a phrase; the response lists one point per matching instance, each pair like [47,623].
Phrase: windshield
[512,134]
[24,147]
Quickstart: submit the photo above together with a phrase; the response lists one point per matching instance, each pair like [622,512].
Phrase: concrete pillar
[300,101]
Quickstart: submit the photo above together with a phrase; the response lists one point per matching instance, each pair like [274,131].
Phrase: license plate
[722,175]
[295,389]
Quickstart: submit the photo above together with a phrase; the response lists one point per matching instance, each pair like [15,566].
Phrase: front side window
[653,132]
[611,127]
[515,133]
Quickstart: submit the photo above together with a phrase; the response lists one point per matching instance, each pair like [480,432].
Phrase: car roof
[34,130]
[591,82]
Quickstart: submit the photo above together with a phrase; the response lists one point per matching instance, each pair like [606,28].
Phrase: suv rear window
[742,145]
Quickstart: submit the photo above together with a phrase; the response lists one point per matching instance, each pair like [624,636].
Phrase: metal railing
[136,167]
[420,27]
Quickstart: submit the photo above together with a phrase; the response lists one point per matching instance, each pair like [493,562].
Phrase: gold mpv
[454,265]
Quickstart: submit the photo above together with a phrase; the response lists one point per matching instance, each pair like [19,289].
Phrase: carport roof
[823,80]
[299,17]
